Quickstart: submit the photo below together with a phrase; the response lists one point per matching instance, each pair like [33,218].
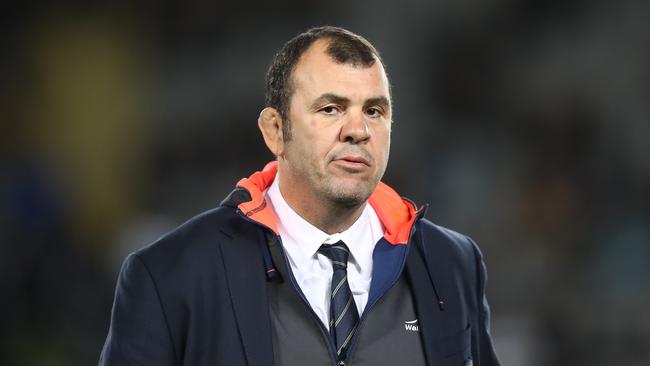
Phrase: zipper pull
[341,363]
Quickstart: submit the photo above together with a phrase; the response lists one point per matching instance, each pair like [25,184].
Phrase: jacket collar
[395,213]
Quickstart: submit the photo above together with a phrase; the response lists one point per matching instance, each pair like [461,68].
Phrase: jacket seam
[162,308]
[480,293]
[480,277]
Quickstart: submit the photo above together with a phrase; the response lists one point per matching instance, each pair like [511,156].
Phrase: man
[311,261]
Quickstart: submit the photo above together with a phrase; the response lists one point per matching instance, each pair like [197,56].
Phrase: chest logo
[412,326]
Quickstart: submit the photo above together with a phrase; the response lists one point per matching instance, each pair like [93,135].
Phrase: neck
[330,217]
[334,219]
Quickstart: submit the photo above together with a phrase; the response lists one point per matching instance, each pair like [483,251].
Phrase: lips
[352,163]
[354,159]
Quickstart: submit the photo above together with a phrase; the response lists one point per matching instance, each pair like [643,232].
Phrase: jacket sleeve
[484,354]
[138,334]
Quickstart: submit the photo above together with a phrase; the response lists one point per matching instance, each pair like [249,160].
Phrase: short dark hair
[344,47]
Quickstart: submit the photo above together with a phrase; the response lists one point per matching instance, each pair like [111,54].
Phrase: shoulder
[193,245]
[449,249]
[444,239]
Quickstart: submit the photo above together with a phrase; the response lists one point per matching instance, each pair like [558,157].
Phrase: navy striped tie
[344,316]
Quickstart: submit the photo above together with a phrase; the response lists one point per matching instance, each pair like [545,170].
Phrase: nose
[355,129]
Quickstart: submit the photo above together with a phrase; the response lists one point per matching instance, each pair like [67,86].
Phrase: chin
[347,192]
[350,198]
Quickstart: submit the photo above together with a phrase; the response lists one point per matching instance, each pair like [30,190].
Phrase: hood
[395,213]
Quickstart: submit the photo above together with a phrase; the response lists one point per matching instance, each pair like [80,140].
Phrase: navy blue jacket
[198,296]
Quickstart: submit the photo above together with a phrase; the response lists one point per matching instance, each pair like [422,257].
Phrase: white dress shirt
[313,270]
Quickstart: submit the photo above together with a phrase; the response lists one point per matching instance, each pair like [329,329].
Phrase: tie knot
[338,253]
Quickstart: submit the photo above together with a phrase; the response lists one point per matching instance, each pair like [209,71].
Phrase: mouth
[352,163]
[354,159]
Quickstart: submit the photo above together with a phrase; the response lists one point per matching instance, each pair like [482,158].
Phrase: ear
[270,124]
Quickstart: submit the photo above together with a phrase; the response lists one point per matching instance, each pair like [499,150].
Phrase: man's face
[340,117]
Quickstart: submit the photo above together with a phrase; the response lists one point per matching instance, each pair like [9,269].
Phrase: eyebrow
[333,98]
[381,101]
[329,98]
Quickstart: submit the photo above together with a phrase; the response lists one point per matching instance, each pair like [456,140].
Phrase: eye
[374,112]
[329,110]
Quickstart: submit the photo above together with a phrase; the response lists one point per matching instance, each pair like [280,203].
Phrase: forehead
[316,72]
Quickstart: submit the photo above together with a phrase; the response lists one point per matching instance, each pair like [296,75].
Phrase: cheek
[307,151]
[321,141]
[383,142]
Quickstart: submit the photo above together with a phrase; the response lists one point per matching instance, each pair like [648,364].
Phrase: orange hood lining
[396,214]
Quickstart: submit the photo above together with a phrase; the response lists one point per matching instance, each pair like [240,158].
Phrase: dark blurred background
[524,124]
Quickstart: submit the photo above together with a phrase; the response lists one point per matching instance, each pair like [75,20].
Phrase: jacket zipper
[315,317]
[369,307]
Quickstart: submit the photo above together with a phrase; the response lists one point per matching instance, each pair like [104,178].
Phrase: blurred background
[524,124]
